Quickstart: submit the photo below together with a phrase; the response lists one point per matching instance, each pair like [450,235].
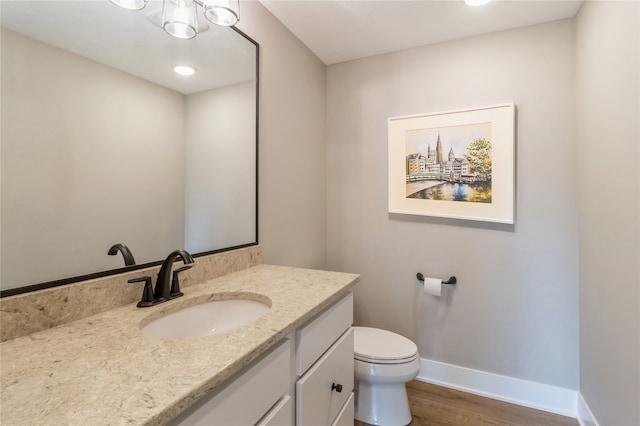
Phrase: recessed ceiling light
[184,70]
[476,2]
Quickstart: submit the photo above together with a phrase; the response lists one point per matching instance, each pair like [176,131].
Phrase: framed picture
[455,164]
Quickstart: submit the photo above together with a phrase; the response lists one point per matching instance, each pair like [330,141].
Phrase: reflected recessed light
[184,70]
[476,2]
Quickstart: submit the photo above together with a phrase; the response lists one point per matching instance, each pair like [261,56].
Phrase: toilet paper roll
[433,286]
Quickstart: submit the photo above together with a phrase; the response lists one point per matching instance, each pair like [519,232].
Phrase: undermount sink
[205,319]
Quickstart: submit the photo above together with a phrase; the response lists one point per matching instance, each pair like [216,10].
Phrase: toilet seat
[378,346]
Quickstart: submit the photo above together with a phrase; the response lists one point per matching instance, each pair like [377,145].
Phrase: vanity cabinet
[307,379]
[324,368]
[261,395]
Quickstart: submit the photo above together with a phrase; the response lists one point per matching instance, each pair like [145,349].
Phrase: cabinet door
[314,339]
[246,398]
[318,402]
[280,415]
[346,416]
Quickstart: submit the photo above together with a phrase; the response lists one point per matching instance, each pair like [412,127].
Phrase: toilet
[384,362]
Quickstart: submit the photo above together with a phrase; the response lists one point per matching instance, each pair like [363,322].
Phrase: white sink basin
[205,319]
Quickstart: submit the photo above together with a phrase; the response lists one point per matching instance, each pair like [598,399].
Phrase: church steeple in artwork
[439,150]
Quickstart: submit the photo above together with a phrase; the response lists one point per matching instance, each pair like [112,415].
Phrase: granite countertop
[101,370]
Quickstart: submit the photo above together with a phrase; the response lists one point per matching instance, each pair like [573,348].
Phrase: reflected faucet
[163,284]
[126,253]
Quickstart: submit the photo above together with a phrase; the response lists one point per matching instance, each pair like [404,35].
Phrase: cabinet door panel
[314,339]
[280,415]
[246,398]
[346,416]
[316,402]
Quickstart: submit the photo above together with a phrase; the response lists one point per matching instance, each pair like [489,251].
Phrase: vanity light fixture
[476,2]
[179,17]
[130,4]
[222,12]
[184,70]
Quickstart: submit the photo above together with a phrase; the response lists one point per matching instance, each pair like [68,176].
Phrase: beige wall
[514,310]
[608,139]
[292,166]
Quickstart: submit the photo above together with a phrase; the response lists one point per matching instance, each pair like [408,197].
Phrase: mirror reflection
[104,144]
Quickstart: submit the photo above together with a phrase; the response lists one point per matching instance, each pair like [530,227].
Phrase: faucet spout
[126,253]
[163,284]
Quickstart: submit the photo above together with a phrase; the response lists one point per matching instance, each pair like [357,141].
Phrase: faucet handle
[147,293]
[175,283]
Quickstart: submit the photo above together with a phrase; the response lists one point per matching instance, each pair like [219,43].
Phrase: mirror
[103,144]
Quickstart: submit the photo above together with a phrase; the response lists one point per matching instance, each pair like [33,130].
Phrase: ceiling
[134,42]
[343,30]
[335,30]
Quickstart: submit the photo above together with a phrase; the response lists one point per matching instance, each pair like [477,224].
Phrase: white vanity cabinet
[324,368]
[260,395]
[307,379]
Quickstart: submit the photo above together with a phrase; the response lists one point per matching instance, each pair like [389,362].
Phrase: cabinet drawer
[246,398]
[280,415]
[316,403]
[347,414]
[314,339]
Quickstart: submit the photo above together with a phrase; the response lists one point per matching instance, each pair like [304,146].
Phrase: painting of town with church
[449,163]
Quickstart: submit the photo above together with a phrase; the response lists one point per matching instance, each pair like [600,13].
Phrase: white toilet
[384,362]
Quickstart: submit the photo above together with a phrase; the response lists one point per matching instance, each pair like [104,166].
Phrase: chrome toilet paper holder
[452,280]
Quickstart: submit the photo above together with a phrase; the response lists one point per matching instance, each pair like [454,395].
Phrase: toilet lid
[382,346]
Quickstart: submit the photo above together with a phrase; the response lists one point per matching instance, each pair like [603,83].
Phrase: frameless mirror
[104,144]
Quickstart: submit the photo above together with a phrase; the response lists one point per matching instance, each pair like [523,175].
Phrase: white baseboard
[522,392]
[585,416]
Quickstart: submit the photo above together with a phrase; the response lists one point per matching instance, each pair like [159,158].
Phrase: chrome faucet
[162,291]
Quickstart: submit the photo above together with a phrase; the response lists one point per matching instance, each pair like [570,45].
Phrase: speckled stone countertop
[101,370]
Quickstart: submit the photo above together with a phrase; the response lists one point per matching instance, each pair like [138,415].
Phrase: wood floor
[433,405]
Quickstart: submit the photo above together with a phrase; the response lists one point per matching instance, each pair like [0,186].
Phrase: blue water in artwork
[448,191]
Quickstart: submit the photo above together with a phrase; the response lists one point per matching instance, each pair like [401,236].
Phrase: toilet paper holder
[452,280]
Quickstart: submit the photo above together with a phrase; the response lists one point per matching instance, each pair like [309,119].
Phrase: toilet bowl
[384,362]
